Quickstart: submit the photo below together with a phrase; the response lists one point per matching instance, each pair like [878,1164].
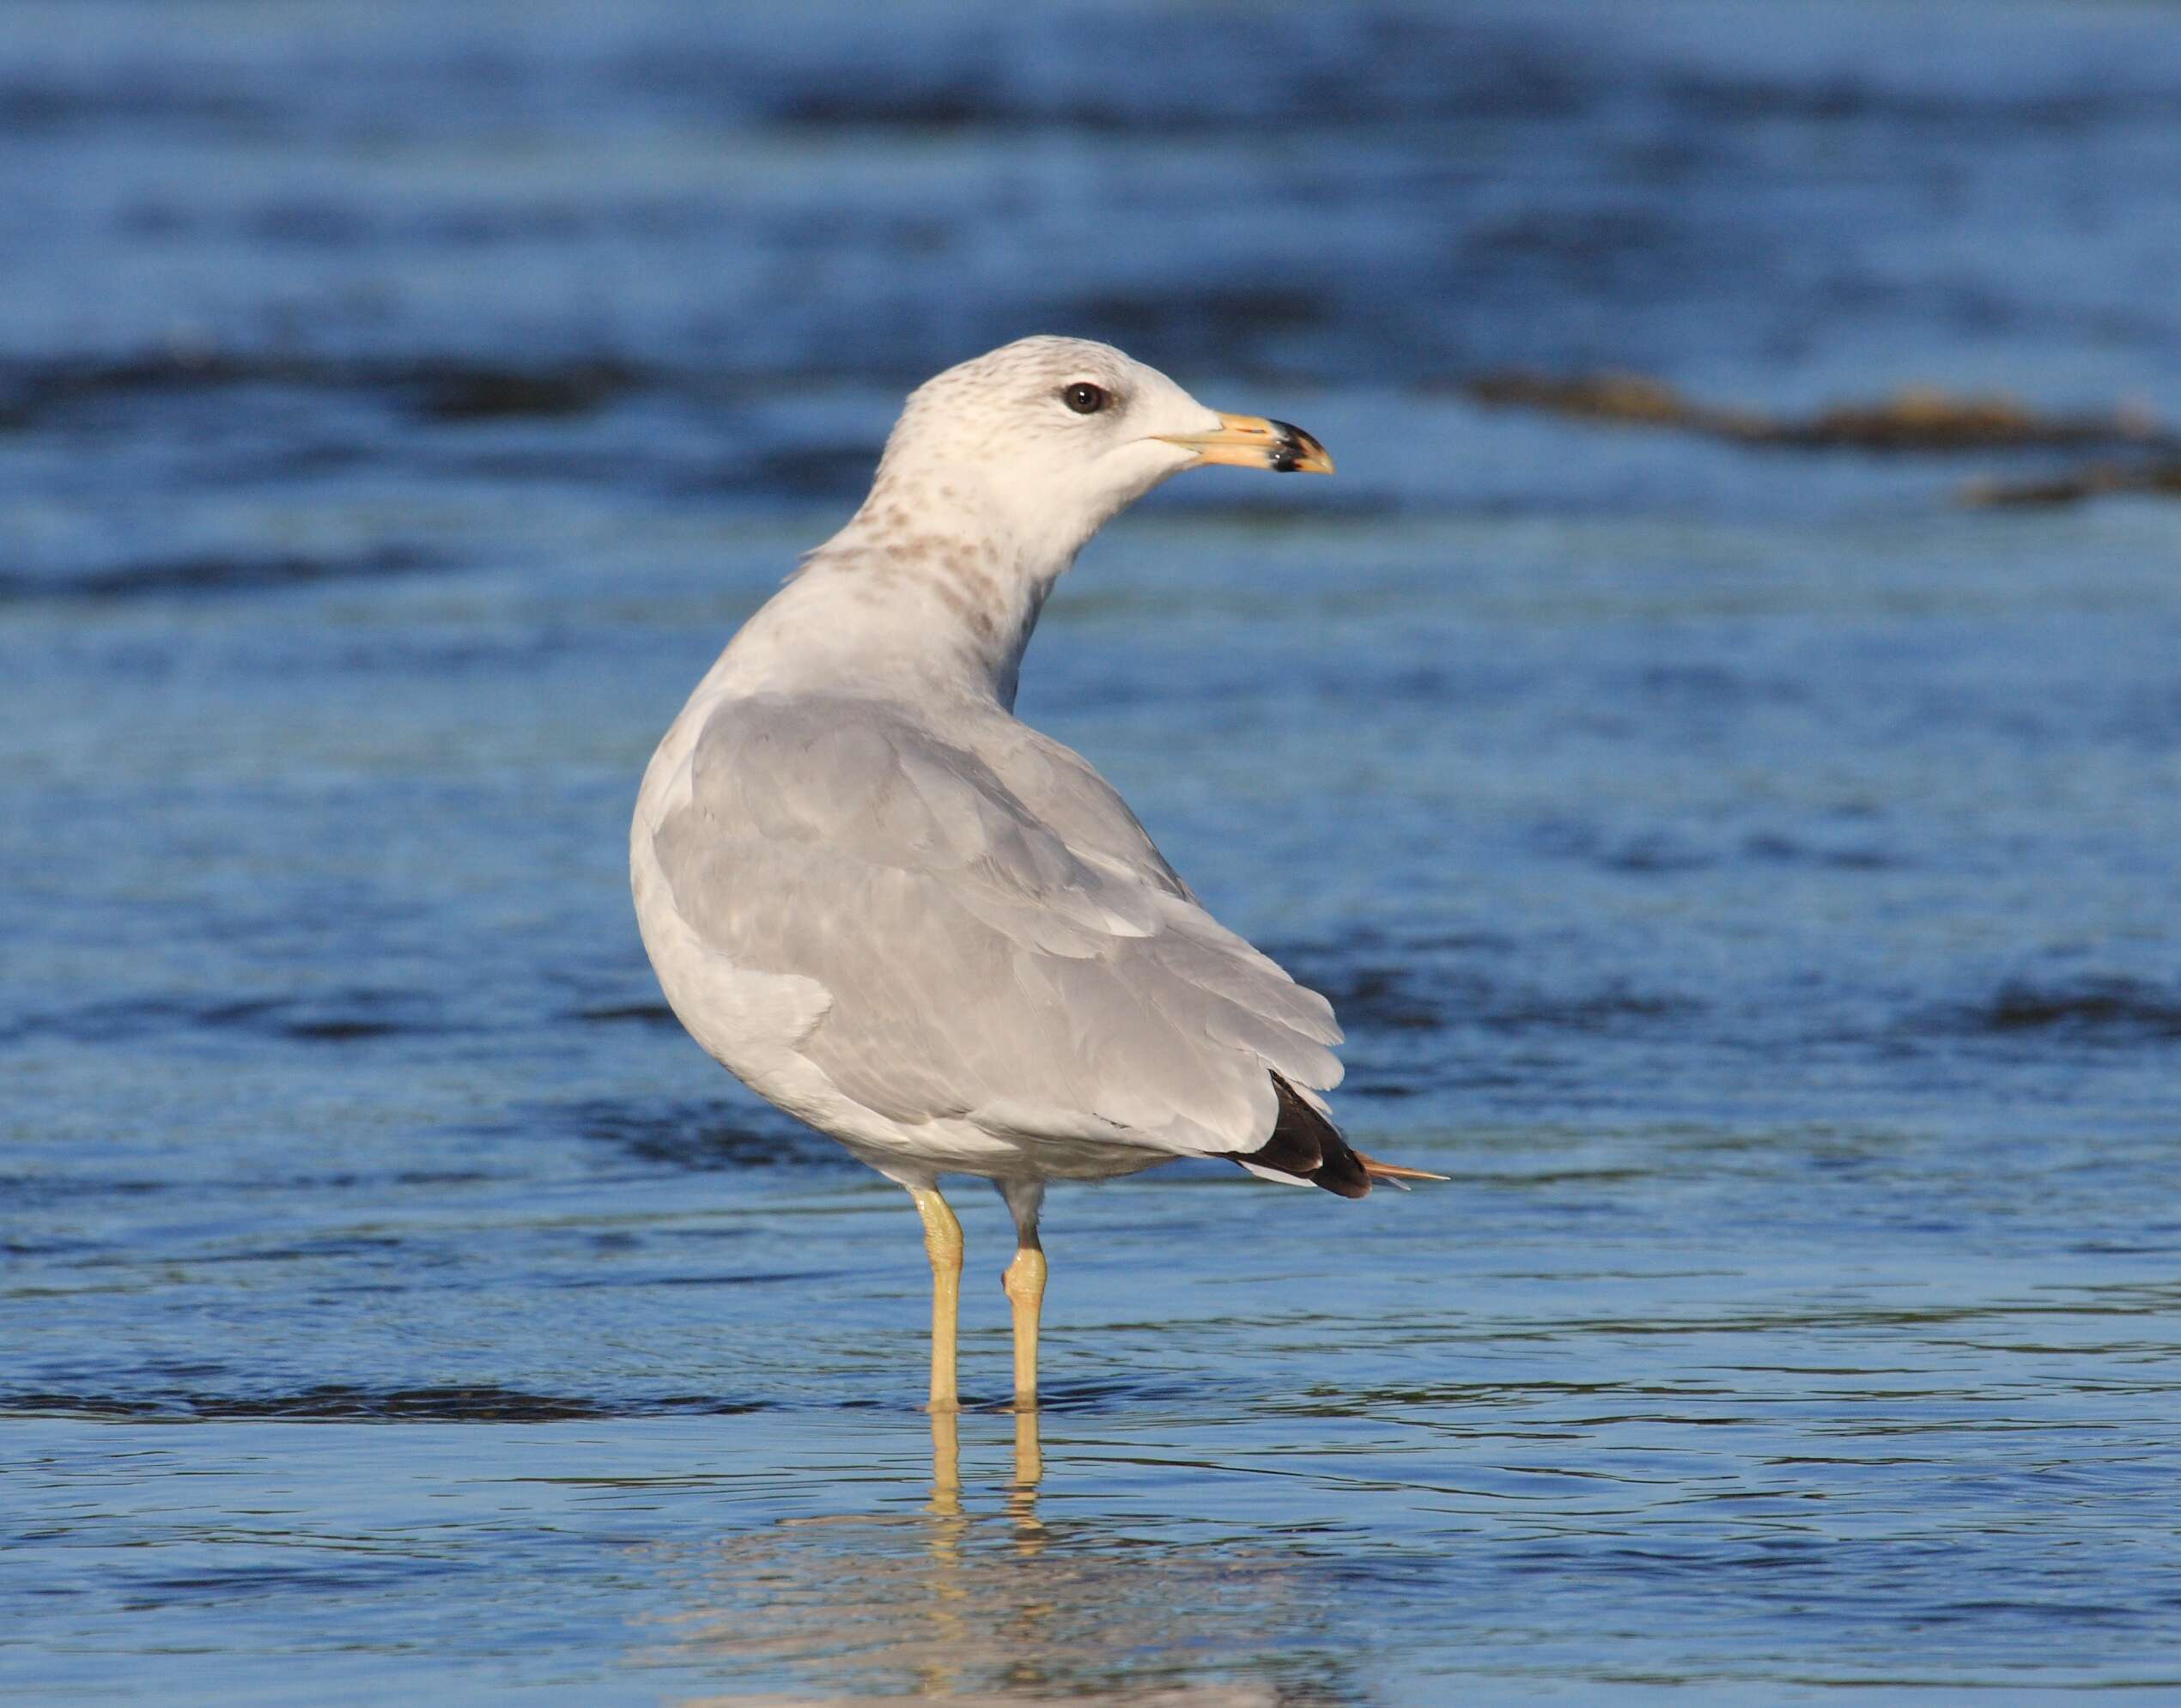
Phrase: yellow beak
[1250,441]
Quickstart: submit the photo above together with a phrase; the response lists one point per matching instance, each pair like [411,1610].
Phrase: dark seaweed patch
[1381,999]
[2098,480]
[2114,1008]
[50,107]
[807,471]
[1845,99]
[337,1016]
[481,393]
[24,1191]
[324,1017]
[339,1402]
[626,1013]
[253,1583]
[1644,854]
[1653,853]
[1612,1010]
[701,1137]
[1337,66]
[1178,327]
[435,389]
[1787,851]
[218,573]
[943,107]
[1912,420]
[31,391]
[1395,997]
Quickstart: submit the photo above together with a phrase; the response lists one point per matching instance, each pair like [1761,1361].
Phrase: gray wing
[1001,940]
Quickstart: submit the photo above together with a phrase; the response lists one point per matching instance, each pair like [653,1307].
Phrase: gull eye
[1085,398]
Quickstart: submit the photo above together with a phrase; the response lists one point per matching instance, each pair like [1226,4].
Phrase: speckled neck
[923,585]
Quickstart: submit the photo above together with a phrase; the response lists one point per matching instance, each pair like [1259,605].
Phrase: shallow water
[1748,874]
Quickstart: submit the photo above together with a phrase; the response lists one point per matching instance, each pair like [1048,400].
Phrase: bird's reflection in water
[960,1604]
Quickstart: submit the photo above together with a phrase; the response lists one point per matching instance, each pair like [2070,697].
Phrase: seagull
[912,922]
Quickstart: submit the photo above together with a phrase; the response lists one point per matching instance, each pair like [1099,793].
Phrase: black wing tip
[1305,1144]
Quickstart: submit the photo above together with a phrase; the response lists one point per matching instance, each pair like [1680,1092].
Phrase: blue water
[1749,873]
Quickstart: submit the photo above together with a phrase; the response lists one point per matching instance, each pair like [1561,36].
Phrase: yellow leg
[943,1244]
[1025,1286]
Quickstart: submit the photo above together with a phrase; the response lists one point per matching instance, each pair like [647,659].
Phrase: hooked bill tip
[1295,451]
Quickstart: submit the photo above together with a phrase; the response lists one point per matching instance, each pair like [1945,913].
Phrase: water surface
[1748,874]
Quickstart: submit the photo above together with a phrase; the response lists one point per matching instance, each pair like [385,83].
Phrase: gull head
[1047,438]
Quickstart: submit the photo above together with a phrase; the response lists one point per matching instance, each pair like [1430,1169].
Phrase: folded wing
[1001,940]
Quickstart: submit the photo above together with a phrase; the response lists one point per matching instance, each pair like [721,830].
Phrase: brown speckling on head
[991,482]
